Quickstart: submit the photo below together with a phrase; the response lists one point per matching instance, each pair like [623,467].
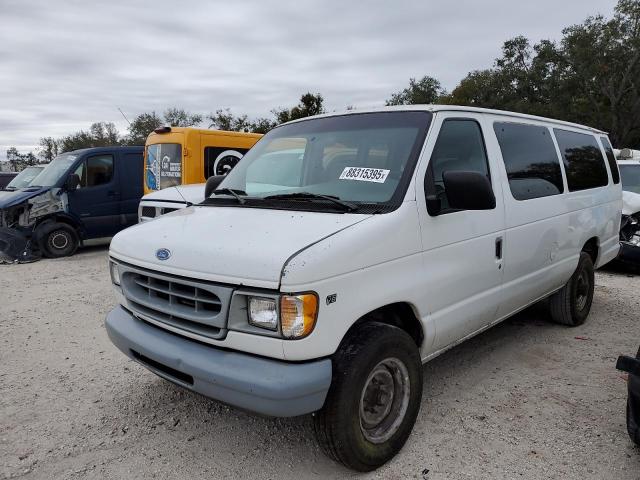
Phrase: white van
[168,200]
[346,250]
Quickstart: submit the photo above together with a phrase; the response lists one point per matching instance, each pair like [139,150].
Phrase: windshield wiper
[349,207]
[233,193]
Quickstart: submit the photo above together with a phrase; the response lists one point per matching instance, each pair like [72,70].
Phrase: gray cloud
[67,64]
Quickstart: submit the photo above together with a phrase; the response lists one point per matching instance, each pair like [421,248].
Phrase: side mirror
[72,182]
[468,191]
[212,184]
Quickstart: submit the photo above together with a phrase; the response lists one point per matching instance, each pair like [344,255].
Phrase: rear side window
[611,158]
[460,147]
[583,160]
[531,160]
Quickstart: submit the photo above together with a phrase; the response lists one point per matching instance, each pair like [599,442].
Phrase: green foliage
[310,104]
[177,117]
[591,76]
[141,126]
[427,90]
[18,161]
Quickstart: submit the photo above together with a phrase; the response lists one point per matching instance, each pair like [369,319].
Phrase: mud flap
[16,247]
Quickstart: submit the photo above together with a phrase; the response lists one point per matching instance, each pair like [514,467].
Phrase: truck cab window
[459,147]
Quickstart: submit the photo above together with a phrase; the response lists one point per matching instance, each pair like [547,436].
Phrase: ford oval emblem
[163,254]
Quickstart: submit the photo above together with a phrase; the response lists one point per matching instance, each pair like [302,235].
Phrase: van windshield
[24,178]
[53,172]
[360,158]
[164,166]
[630,175]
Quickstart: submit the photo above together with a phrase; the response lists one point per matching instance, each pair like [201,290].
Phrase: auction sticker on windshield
[377,175]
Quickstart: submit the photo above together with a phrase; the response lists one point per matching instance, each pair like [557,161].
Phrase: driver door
[96,201]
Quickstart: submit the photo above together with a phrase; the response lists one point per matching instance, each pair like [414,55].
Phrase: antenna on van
[122,113]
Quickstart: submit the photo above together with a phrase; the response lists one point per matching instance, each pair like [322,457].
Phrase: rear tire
[571,305]
[60,240]
[374,397]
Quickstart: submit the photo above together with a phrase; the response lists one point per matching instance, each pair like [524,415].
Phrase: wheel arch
[592,247]
[399,314]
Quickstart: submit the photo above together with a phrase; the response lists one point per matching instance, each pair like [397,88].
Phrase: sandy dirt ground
[527,399]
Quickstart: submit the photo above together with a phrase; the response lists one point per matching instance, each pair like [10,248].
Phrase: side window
[531,160]
[611,158]
[82,175]
[98,171]
[583,160]
[459,147]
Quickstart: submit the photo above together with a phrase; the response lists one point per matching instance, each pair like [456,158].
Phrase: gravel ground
[527,399]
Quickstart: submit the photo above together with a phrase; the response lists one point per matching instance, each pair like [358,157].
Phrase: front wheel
[60,240]
[374,397]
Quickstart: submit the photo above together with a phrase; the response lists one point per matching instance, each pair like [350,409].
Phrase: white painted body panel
[444,267]
[174,198]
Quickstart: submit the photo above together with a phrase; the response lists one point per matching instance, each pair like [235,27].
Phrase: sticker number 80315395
[377,175]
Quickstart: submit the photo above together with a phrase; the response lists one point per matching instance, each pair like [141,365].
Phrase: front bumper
[265,386]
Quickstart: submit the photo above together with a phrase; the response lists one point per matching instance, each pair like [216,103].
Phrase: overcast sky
[66,64]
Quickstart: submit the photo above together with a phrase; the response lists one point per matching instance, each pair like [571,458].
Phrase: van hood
[10,198]
[630,203]
[178,194]
[235,245]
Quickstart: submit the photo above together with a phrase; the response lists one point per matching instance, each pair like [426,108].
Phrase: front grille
[195,307]
[149,212]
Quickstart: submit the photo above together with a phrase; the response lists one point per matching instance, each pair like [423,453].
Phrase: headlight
[298,314]
[115,273]
[263,313]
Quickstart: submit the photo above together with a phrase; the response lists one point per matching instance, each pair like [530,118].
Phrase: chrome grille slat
[199,297]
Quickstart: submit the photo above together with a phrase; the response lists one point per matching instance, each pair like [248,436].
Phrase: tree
[310,104]
[145,123]
[427,90]
[100,134]
[48,149]
[589,76]
[177,117]
[141,126]
[18,161]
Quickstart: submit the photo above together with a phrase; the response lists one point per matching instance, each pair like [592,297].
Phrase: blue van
[81,195]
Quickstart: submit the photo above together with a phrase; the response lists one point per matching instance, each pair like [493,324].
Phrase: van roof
[457,108]
[131,148]
[206,131]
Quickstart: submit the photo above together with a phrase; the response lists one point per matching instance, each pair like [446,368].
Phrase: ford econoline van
[185,155]
[346,250]
[79,196]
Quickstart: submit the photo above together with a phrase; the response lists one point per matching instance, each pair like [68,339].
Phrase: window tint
[531,160]
[611,158]
[99,170]
[583,160]
[460,147]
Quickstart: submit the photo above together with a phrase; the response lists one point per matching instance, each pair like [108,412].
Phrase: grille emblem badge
[163,254]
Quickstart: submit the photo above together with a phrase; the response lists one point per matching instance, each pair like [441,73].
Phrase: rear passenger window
[460,147]
[611,158]
[531,160]
[583,161]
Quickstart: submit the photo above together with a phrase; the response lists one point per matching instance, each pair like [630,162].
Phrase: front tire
[571,305]
[374,397]
[60,240]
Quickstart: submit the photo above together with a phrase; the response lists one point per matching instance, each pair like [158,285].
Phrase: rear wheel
[60,241]
[571,304]
[374,397]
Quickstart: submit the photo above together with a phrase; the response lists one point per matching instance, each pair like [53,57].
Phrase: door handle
[499,248]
